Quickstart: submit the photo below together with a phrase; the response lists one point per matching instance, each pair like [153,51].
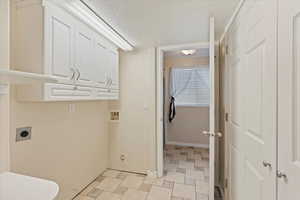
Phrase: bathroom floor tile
[94,193]
[121,176]
[174,177]
[186,177]
[81,197]
[120,190]
[202,196]
[111,173]
[133,182]
[168,184]
[145,187]
[108,196]
[109,184]
[159,193]
[202,187]
[90,187]
[133,194]
[185,191]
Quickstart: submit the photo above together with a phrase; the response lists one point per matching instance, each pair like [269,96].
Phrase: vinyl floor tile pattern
[185,178]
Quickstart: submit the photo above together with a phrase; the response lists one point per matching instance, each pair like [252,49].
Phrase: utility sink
[18,187]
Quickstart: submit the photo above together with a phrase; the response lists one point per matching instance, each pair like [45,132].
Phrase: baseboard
[206,146]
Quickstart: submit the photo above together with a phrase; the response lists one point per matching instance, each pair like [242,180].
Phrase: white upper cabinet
[52,41]
[84,47]
[59,49]
[113,58]
[100,63]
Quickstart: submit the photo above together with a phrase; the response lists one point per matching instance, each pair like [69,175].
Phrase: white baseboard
[206,146]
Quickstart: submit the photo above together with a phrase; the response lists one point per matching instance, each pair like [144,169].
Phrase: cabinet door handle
[111,82]
[79,74]
[281,175]
[266,164]
[107,82]
[73,74]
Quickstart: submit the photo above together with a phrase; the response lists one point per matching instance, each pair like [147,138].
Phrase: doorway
[180,156]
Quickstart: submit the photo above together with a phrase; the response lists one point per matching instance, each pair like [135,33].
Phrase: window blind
[190,86]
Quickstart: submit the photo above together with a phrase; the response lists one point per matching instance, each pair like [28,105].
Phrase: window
[190,86]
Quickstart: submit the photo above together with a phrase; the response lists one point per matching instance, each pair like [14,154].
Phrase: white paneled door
[252,120]
[289,100]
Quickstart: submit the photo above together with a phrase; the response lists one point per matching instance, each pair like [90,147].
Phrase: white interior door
[212,118]
[252,101]
[289,100]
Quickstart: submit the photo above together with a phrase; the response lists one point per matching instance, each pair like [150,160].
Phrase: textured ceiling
[146,23]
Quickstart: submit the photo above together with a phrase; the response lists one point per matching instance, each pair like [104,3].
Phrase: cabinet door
[59,34]
[84,46]
[60,92]
[100,64]
[113,60]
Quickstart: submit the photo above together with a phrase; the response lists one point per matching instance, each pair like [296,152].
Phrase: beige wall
[70,148]
[4,99]
[134,135]
[189,121]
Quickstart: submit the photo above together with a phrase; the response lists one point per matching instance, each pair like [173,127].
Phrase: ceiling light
[188,52]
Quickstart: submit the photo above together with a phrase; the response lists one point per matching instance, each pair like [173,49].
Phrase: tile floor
[186,178]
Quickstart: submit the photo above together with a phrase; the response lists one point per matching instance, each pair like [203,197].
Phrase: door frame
[160,96]
[224,85]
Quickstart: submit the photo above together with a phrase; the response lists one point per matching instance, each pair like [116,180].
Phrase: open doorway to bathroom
[186,111]
[186,115]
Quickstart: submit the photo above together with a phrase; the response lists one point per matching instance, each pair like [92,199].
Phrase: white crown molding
[81,11]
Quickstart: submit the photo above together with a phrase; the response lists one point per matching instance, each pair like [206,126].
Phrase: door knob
[212,134]
[218,134]
[281,175]
[266,164]
[206,133]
